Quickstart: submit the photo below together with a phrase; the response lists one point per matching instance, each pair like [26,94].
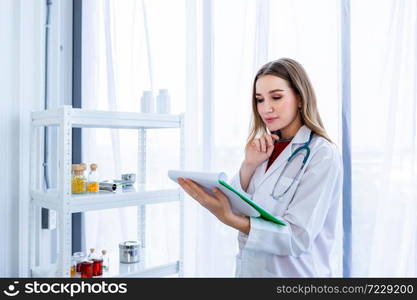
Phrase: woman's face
[277,103]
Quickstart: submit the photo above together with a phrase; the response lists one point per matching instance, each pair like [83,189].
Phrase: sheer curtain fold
[384,207]
[395,227]
[261,33]
[116,69]
[103,229]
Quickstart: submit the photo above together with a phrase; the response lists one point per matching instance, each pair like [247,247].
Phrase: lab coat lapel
[300,138]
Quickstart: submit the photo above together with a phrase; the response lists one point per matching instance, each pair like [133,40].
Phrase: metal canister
[129,177]
[129,252]
[108,186]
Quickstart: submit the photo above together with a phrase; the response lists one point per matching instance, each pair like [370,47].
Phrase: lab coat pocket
[254,264]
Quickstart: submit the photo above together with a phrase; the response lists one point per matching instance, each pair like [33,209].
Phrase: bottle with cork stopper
[97,263]
[93,180]
[78,180]
[106,261]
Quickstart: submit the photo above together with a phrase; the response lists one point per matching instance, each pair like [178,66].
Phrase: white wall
[21,91]
[9,128]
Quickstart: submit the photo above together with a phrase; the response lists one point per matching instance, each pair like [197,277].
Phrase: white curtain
[234,54]
[130,46]
[124,55]
[384,66]
[101,146]
[309,32]
[118,38]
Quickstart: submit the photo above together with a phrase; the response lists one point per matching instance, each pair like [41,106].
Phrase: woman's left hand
[218,205]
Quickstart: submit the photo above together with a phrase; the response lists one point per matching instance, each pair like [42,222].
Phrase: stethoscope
[305,147]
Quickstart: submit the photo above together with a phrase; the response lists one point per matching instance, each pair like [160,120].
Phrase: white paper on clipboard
[211,180]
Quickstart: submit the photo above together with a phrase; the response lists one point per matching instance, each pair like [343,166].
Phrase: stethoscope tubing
[305,147]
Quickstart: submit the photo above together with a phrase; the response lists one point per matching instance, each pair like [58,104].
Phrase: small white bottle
[163,105]
[106,260]
[147,102]
[91,255]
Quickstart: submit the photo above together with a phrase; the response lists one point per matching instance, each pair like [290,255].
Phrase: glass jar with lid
[78,180]
[87,268]
[78,257]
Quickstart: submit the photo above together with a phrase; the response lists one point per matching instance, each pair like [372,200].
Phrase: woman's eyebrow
[272,91]
[276,90]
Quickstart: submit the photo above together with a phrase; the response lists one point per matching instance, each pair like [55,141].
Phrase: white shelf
[121,270]
[81,118]
[105,200]
[66,118]
[136,270]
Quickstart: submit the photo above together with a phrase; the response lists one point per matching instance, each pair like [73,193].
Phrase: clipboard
[240,203]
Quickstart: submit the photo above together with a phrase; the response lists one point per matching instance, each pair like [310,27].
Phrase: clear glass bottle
[78,180]
[91,254]
[73,270]
[78,258]
[106,261]
[97,263]
[93,179]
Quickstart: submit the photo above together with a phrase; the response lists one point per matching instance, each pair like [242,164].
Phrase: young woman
[292,169]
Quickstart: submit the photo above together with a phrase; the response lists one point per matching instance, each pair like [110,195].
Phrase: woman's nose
[268,106]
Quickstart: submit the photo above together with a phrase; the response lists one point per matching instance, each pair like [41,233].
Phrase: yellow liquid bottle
[92,181]
[78,180]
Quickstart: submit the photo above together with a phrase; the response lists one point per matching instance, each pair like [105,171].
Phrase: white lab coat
[302,248]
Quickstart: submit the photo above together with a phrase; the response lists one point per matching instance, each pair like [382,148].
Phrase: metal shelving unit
[64,203]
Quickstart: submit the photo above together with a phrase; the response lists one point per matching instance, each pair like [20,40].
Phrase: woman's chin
[273,128]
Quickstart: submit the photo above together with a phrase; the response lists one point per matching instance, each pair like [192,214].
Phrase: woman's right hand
[260,150]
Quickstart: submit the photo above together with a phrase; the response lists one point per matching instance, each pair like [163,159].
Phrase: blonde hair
[297,78]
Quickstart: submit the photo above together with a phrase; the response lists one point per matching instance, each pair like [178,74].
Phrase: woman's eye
[259,100]
[276,98]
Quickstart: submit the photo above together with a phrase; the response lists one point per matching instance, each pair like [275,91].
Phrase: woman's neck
[292,129]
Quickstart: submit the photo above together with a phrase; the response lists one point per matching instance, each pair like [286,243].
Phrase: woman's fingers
[186,186]
[219,193]
[263,143]
[257,145]
[194,186]
[263,146]
[221,196]
[218,204]
[270,141]
[194,190]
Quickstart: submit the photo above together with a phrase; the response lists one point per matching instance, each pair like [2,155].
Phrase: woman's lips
[270,120]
